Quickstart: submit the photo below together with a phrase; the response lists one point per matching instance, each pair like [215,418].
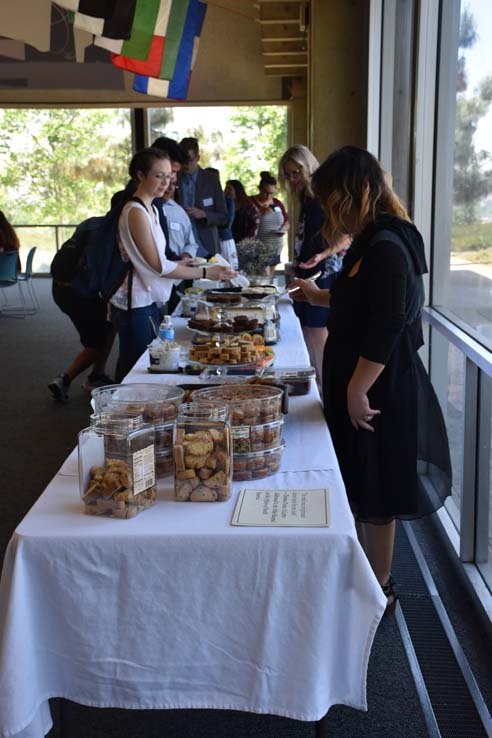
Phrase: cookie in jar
[202,454]
[117,476]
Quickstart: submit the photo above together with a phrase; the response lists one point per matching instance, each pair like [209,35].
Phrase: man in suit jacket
[200,194]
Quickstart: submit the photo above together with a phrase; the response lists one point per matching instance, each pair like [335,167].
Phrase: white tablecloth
[177,609]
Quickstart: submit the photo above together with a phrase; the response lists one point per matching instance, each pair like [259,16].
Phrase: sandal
[389,590]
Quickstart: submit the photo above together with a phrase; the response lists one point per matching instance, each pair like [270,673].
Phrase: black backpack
[68,257]
[94,262]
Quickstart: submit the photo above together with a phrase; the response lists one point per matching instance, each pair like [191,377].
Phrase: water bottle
[166,329]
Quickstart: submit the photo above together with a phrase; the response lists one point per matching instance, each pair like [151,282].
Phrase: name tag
[174,226]
[277,209]
[208,201]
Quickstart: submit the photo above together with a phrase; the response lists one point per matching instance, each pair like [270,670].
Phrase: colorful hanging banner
[144,24]
[167,36]
[177,87]
[102,17]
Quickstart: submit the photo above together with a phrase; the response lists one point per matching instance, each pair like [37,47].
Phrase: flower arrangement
[254,255]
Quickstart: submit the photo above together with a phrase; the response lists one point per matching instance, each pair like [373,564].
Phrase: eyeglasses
[291,175]
[163,177]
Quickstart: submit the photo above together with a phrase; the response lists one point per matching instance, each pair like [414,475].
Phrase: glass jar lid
[114,422]
[203,411]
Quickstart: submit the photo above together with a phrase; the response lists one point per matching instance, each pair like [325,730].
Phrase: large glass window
[57,168]
[239,141]
[465,289]
[454,418]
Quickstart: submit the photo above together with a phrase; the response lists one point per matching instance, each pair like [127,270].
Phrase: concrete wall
[326,111]
[338,75]
[229,68]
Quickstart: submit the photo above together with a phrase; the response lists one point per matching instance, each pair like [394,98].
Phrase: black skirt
[403,469]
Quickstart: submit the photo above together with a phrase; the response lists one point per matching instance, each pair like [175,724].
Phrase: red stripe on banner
[149,67]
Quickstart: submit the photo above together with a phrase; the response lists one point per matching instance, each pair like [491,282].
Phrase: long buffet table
[177,609]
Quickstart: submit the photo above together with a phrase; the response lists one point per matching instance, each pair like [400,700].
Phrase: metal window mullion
[483,468]
[468,503]
[374,76]
[444,152]
[387,84]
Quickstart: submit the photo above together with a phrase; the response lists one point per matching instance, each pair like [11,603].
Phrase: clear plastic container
[247,438]
[248,404]
[164,355]
[164,464]
[257,464]
[117,467]
[297,379]
[164,434]
[157,403]
[108,415]
[202,454]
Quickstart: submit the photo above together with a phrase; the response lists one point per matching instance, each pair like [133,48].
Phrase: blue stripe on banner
[178,86]
[140,83]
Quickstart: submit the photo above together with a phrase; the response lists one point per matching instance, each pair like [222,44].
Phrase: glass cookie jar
[202,454]
[117,476]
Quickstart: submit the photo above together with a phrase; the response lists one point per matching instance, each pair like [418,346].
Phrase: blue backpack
[101,270]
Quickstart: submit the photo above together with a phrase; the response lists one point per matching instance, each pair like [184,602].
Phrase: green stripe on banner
[174,34]
[138,45]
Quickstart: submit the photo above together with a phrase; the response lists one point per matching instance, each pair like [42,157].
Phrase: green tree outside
[61,166]
[472,168]
[258,138]
[245,140]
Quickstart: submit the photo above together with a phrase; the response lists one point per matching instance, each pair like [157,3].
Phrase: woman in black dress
[384,418]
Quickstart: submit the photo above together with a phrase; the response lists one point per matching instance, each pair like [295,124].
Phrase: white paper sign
[297,508]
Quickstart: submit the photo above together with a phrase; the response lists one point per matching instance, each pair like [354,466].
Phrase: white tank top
[148,285]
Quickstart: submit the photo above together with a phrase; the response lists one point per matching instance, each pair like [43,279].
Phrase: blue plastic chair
[8,278]
[26,277]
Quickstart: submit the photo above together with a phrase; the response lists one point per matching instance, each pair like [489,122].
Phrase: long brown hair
[8,237]
[305,161]
[352,185]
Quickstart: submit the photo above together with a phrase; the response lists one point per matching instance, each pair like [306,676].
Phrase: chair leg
[17,311]
[34,295]
[25,307]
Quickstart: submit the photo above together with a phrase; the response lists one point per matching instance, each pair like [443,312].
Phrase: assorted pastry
[238,324]
[110,491]
[258,464]
[202,465]
[234,350]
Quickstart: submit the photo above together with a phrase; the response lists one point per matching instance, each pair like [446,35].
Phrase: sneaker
[59,388]
[94,381]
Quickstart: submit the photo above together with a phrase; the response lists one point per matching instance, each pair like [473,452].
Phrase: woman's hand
[303,290]
[312,262]
[220,272]
[359,410]
[340,244]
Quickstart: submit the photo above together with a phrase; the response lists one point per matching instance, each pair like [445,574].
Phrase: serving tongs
[293,289]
